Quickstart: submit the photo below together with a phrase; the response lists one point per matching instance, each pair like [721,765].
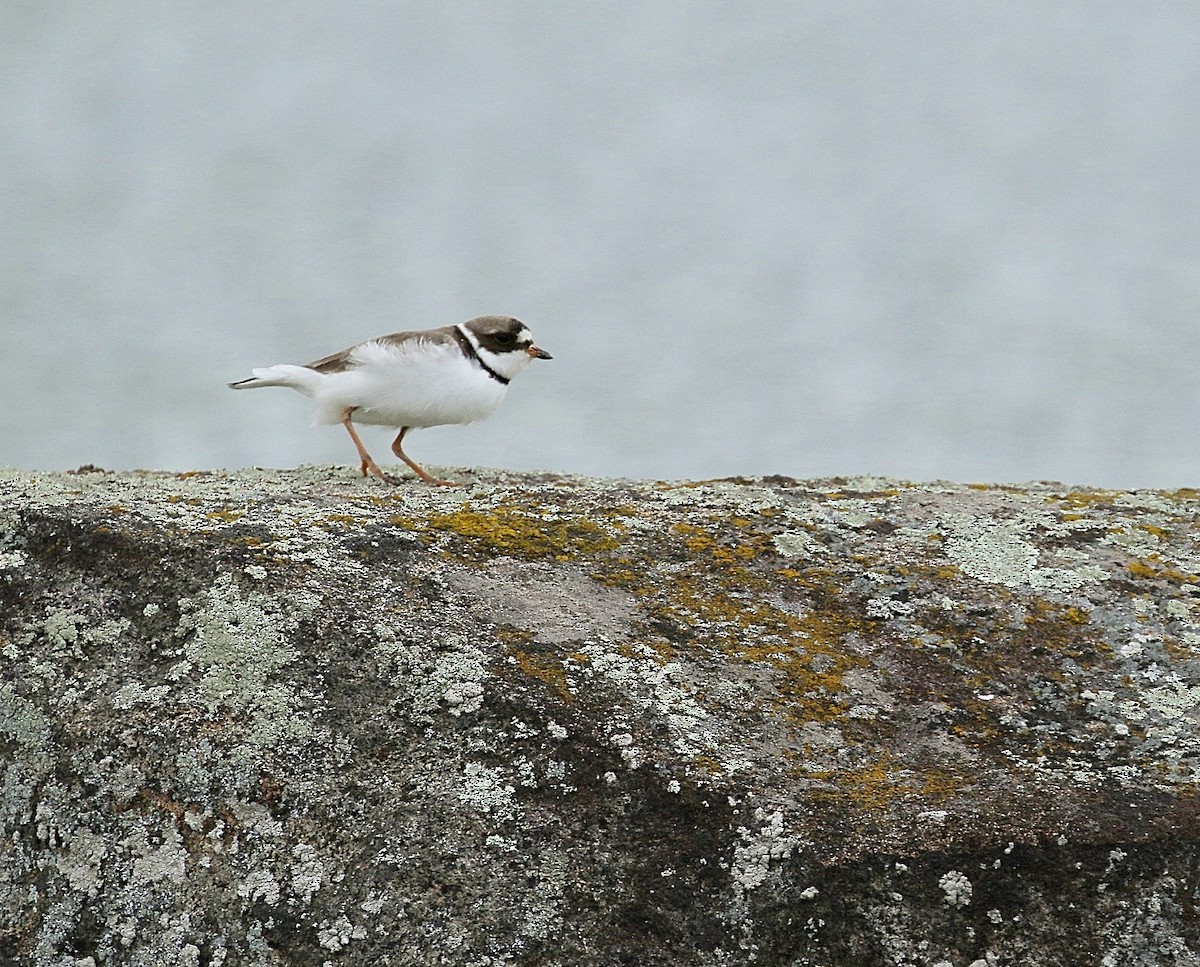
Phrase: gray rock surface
[277,717]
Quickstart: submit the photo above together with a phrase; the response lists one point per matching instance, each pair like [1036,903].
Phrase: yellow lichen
[1060,629]
[1143,570]
[516,532]
[871,787]
[700,540]
[861,495]
[807,648]
[1082,498]
[714,595]
[343,521]
[545,668]
[939,783]
[1076,616]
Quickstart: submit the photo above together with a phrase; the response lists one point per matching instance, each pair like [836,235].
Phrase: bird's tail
[295,377]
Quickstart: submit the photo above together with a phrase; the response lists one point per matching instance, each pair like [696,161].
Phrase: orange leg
[367,463]
[398,449]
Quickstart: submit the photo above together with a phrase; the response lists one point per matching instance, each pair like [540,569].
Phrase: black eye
[505,338]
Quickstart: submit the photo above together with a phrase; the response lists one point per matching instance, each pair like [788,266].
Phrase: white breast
[415,384]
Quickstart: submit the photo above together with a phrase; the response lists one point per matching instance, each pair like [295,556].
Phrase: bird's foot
[373,469]
[437,481]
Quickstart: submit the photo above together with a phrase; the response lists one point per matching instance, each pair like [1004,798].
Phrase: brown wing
[341,361]
[332,364]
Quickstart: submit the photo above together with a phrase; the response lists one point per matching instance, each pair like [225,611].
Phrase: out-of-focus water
[915,238]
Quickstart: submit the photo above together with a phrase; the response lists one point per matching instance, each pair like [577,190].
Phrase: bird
[411,379]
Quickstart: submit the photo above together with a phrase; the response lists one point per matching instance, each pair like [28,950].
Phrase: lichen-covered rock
[278,717]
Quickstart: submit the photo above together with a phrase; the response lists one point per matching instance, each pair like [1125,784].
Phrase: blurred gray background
[916,238]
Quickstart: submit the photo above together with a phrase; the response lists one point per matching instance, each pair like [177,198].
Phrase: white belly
[429,386]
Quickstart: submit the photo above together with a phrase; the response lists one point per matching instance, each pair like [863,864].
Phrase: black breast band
[470,352]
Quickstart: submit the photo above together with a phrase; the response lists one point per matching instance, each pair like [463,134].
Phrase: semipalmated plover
[455,374]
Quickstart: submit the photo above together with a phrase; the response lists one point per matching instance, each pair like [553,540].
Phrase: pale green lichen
[134,693]
[28,728]
[260,885]
[757,850]
[308,872]
[238,644]
[1001,552]
[797,543]
[488,789]
[166,861]
[81,860]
